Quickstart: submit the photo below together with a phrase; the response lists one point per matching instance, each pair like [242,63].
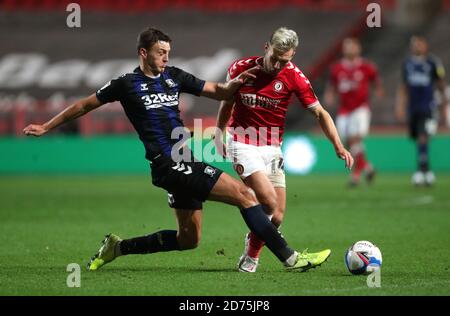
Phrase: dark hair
[150,36]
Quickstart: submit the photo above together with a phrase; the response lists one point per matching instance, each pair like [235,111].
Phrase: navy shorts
[421,124]
[188,183]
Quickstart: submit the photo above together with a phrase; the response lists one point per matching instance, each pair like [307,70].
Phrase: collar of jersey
[139,70]
[419,59]
[352,63]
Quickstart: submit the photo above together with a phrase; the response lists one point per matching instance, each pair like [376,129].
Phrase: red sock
[360,162]
[364,161]
[255,245]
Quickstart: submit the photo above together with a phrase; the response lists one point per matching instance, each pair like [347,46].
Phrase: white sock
[291,260]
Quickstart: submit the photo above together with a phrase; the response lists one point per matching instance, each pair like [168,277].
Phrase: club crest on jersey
[171,83]
[239,169]
[278,86]
[210,171]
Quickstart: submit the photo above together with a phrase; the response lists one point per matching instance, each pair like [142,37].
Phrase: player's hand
[345,155]
[328,98]
[379,93]
[35,130]
[445,106]
[400,114]
[248,74]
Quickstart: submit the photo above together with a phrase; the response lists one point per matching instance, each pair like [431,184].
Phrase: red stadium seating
[204,5]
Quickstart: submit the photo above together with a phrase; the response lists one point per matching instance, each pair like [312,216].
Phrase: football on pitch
[363,257]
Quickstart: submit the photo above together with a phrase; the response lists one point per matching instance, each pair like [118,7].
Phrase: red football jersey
[352,82]
[261,104]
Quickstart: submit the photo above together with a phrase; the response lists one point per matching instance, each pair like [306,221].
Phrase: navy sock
[256,219]
[164,240]
[423,157]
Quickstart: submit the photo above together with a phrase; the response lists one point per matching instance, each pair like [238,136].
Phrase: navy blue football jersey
[419,76]
[151,104]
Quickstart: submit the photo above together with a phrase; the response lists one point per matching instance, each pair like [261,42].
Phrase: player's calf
[269,203]
[188,241]
[253,245]
[278,216]
[189,228]
[233,192]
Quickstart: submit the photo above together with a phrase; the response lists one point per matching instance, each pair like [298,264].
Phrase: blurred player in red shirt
[254,136]
[351,78]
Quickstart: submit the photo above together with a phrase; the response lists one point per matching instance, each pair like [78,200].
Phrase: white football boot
[429,178]
[247,263]
[418,178]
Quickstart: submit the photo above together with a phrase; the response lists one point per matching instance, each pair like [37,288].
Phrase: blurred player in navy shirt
[422,73]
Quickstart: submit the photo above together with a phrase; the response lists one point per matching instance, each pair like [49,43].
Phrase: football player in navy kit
[422,73]
[150,97]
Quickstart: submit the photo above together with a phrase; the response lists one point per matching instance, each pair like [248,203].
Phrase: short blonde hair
[284,39]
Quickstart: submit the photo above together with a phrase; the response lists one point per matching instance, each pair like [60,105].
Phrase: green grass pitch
[47,222]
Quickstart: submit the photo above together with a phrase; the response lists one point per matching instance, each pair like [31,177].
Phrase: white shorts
[353,124]
[248,159]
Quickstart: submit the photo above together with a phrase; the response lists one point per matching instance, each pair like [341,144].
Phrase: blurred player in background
[421,74]
[351,78]
[258,113]
[150,98]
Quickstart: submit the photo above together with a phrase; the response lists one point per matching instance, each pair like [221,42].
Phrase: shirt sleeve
[189,83]
[333,76]
[110,92]
[438,68]
[304,90]
[373,72]
[234,70]
[404,75]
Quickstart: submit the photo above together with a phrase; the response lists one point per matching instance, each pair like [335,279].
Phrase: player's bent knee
[246,196]
[270,203]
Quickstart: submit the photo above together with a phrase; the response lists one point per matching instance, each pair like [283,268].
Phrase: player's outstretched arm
[329,95]
[400,106]
[441,86]
[223,116]
[225,91]
[74,111]
[379,89]
[329,129]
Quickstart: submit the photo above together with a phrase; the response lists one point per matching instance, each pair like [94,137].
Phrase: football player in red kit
[351,78]
[255,132]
